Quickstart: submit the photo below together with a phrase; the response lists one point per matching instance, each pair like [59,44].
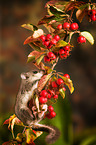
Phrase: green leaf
[61,43]
[69,83]
[39,59]
[29,27]
[88,36]
[89,141]
[30,58]
[43,81]
[62,92]
[84,6]
[35,47]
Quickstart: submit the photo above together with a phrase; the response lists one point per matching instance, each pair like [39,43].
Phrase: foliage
[48,49]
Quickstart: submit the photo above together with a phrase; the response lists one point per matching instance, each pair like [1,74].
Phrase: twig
[55,63]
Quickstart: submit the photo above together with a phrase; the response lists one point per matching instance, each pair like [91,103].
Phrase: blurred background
[76,115]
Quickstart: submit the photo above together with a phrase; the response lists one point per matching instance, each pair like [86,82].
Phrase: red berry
[61,51]
[52,114]
[53,41]
[42,37]
[42,100]
[74,26]
[93,17]
[46,43]
[67,76]
[93,12]
[48,37]
[66,52]
[43,93]
[81,39]
[54,85]
[59,26]
[66,25]
[64,89]
[48,116]
[66,47]
[55,96]
[46,59]
[56,37]
[49,46]
[49,96]
[50,108]
[50,54]
[54,57]
[60,81]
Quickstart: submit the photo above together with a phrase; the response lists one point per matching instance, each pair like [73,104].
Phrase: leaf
[61,43]
[80,15]
[88,36]
[30,58]
[35,47]
[46,19]
[29,27]
[62,92]
[69,83]
[89,141]
[20,137]
[43,81]
[55,11]
[84,6]
[34,55]
[7,143]
[38,33]
[28,40]
[6,121]
[39,59]
[31,136]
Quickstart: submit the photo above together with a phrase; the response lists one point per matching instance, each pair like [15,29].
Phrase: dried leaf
[38,33]
[43,81]
[80,15]
[88,36]
[20,137]
[29,27]
[7,143]
[69,83]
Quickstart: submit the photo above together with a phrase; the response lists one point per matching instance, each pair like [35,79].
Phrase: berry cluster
[52,93]
[64,52]
[48,41]
[68,26]
[92,14]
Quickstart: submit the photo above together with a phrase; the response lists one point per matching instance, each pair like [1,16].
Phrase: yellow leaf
[88,36]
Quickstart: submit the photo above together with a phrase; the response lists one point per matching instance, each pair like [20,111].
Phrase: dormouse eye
[35,72]
[27,77]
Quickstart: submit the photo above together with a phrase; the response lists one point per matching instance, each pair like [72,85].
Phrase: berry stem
[55,63]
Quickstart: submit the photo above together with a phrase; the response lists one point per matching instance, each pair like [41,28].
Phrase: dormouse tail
[53,135]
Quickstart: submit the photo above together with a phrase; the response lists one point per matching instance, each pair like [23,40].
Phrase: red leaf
[43,81]
[7,143]
[28,40]
[6,121]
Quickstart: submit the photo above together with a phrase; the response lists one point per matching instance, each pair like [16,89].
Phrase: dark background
[76,115]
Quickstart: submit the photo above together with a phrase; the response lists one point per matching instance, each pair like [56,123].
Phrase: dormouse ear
[23,77]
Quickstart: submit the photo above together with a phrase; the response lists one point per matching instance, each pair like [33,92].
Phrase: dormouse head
[32,75]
